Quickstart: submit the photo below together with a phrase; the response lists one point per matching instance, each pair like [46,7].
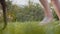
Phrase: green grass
[31,28]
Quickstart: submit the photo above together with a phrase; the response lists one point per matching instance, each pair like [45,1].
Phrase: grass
[31,28]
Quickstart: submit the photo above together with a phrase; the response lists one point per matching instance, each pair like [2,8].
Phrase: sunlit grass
[32,28]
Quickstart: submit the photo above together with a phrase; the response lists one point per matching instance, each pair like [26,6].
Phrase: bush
[30,13]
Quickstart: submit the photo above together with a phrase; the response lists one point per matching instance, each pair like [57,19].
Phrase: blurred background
[23,17]
[25,10]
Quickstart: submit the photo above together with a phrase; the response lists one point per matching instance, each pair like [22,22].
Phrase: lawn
[31,28]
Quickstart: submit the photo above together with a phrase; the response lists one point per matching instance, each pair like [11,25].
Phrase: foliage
[55,15]
[31,12]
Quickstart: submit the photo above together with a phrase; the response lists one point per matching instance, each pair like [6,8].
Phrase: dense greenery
[32,12]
